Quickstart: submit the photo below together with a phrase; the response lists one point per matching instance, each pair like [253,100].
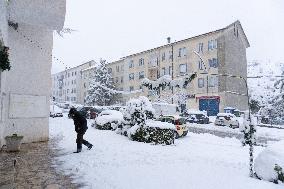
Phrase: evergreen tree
[278,101]
[101,90]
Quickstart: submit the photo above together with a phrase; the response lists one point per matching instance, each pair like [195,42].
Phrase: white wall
[28,84]
[3,41]
[29,75]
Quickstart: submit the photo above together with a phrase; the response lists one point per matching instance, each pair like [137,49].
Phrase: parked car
[178,121]
[196,116]
[108,120]
[55,111]
[227,119]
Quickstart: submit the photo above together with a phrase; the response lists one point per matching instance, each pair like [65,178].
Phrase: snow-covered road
[198,161]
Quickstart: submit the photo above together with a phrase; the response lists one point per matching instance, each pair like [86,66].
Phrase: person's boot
[78,150]
[90,146]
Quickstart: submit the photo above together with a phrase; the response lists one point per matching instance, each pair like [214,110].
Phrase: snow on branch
[166,80]
[113,91]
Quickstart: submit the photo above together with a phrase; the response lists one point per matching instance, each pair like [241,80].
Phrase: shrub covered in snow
[269,164]
[138,126]
[153,132]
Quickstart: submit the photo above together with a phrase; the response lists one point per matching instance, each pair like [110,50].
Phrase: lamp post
[172,58]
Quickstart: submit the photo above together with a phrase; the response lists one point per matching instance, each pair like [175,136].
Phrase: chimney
[169,39]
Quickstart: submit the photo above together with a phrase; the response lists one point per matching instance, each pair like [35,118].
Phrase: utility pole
[172,57]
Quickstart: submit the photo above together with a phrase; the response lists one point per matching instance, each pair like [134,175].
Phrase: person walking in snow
[81,127]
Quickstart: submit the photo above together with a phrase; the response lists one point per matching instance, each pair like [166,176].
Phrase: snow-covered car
[178,121]
[196,116]
[227,119]
[55,111]
[108,120]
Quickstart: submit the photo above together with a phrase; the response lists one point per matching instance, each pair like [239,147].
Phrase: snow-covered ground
[197,161]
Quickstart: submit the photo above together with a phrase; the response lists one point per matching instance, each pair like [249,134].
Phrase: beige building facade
[211,56]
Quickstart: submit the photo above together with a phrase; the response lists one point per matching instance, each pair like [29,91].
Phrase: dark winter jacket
[80,122]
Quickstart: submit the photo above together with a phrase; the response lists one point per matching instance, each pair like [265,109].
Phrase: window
[75,73]
[179,52]
[116,80]
[72,73]
[200,47]
[109,70]
[200,82]
[163,71]
[141,75]
[141,62]
[131,64]
[215,44]
[163,56]
[170,70]
[131,88]
[212,81]
[200,65]
[122,67]
[182,52]
[131,76]
[117,68]
[182,68]
[212,44]
[213,62]
[121,79]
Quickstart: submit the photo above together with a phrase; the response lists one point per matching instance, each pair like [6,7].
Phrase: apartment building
[210,55]
[67,86]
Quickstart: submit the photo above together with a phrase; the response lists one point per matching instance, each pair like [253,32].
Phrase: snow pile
[269,162]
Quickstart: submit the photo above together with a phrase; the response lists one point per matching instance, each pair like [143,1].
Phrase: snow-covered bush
[153,132]
[269,164]
[137,124]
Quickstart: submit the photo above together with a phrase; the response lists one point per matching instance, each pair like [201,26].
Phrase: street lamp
[172,58]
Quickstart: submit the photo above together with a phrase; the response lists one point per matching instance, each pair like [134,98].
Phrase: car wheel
[176,135]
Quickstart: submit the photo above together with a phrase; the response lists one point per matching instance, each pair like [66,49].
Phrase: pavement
[261,141]
[33,167]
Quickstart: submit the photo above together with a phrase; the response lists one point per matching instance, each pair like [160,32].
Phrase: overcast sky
[111,29]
